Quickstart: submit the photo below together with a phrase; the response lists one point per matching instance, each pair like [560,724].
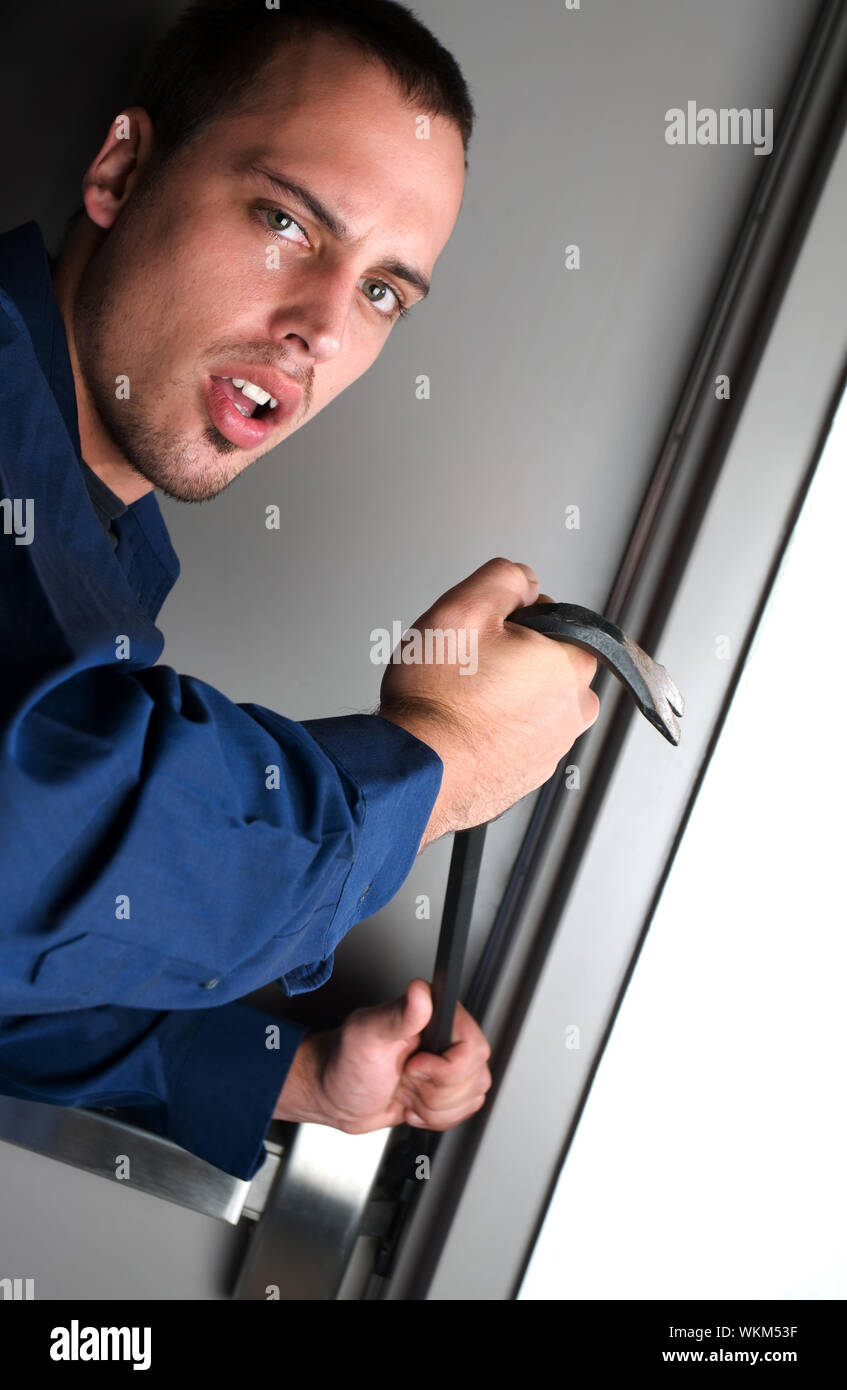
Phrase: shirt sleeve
[159,839]
[160,842]
[208,1079]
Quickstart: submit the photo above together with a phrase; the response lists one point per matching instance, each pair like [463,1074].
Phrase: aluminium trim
[453,1250]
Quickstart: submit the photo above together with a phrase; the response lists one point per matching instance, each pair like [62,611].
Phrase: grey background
[548,388]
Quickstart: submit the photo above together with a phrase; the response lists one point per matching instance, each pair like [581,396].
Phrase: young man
[253,226]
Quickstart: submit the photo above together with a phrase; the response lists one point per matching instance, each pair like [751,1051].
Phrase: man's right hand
[501,731]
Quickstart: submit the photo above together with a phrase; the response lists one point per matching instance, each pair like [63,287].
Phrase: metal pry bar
[654,692]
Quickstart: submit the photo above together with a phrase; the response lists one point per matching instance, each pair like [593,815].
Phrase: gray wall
[548,388]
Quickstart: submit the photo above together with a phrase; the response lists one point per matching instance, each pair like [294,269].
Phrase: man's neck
[98,449]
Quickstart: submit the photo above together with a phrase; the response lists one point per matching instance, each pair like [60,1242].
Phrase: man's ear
[111,177]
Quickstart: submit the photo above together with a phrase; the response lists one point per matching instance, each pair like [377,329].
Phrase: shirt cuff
[398,778]
[229,1066]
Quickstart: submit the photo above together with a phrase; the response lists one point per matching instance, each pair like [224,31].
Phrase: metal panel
[92,1140]
[700,563]
[313,1215]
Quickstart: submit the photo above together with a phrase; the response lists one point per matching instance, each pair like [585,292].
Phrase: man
[253,227]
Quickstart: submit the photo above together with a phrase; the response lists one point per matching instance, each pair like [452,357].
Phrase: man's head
[192,265]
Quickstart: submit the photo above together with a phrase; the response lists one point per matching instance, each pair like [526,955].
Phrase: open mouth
[243,420]
[247,398]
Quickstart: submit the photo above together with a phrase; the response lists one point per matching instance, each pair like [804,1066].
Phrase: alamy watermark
[13,1288]
[729,125]
[434,646]
[17,518]
[83,1343]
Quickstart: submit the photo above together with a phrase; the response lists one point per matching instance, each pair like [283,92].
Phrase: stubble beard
[183,467]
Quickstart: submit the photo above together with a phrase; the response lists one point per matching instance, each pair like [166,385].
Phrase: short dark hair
[210,58]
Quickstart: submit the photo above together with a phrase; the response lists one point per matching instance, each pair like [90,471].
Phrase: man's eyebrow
[334,224]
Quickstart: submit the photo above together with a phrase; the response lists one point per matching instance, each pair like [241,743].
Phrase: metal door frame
[594,861]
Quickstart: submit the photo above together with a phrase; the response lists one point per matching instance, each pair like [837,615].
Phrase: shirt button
[362,896]
[210,984]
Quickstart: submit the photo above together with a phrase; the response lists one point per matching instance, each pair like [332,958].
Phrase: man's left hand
[368,1074]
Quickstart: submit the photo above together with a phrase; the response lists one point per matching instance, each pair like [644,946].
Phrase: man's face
[213,273]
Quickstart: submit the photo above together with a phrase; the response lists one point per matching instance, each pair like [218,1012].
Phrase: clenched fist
[368,1073]
[501,730]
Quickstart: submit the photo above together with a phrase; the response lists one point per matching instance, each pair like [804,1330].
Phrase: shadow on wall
[353,983]
[61,102]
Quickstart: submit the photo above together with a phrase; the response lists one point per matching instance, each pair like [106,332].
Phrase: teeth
[251,390]
[255,393]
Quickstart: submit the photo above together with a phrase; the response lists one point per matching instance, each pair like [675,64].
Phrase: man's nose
[314,308]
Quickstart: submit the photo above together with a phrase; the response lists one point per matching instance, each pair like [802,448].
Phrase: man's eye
[280,222]
[385,300]
[376,291]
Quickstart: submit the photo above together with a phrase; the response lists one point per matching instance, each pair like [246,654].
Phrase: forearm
[300,1098]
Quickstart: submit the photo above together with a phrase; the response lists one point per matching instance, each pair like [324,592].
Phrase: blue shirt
[163,850]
